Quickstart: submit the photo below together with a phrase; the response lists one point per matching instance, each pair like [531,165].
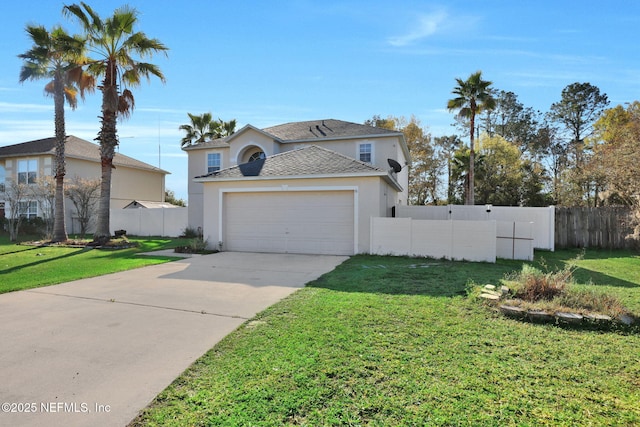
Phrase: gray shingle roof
[324,129]
[311,160]
[74,148]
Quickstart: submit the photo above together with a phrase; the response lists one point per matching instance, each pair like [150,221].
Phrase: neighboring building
[131,179]
[304,187]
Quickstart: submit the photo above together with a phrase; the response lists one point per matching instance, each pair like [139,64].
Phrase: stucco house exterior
[302,187]
[131,179]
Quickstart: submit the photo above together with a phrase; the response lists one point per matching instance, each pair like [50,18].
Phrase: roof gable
[75,148]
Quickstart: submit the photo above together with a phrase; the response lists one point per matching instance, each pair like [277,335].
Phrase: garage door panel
[292,222]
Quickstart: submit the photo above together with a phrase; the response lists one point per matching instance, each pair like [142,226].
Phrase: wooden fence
[603,227]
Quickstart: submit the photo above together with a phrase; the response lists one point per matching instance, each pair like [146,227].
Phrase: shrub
[191,233]
[532,284]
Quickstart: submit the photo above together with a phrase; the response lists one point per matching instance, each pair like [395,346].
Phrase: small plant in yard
[196,246]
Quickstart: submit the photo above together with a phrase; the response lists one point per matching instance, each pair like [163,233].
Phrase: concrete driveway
[94,352]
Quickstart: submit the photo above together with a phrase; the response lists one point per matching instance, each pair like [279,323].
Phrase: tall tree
[58,57]
[426,167]
[472,96]
[448,146]
[116,47]
[513,121]
[617,156]
[579,107]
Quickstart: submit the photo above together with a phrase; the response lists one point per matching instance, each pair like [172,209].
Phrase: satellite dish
[397,167]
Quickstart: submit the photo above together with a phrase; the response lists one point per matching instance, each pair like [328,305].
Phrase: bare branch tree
[84,194]
[44,192]
[14,194]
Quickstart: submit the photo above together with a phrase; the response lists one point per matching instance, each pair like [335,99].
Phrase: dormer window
[257,156]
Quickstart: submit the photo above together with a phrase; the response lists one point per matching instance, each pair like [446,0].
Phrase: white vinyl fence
[481,241]
[169,222]
[543,219]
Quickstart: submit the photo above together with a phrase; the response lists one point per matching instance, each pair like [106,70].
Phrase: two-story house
[303,187]
[27,161]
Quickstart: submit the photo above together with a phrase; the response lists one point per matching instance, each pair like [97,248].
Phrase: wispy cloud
[8,107]
[437,23]
[426,26]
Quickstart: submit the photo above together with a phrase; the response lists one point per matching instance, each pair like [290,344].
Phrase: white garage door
[303,222]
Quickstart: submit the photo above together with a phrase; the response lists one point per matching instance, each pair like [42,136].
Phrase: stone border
[514,311]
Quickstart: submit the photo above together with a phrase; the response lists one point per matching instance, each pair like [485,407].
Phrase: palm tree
[227,128]
[472,97]
[203,127]
[115,46]
[58,56]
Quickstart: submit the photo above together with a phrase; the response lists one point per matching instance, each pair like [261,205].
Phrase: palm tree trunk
[108,141]
[470,200]
[59,228]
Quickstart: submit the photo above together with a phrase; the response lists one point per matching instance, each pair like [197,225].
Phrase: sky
[267,62]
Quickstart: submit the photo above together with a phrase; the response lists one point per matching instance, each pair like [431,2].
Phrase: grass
[395,341]
[25,267]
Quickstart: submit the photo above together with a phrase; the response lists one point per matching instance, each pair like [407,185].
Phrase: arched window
[256,156]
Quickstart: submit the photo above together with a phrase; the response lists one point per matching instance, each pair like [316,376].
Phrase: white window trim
[373,151]
[28,170]
[206,166]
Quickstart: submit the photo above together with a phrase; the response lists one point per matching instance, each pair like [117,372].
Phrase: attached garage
[302,222]
[304,201]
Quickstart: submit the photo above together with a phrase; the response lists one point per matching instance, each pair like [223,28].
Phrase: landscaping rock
[596,317]
[490,287]
[540,316]
[572,318]
[489,297]
[505,290]
[626,319]
[512,310]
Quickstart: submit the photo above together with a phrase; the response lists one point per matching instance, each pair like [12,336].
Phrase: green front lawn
[25,267]
[386,341]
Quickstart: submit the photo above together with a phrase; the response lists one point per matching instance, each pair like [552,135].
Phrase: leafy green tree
[514,122]
[427,164]
[57,57]
[459,183]
[170,197]
[115,46]
[500,177]
[472,96]
[579,107]
[617,157]
[427,161]
[391,123]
